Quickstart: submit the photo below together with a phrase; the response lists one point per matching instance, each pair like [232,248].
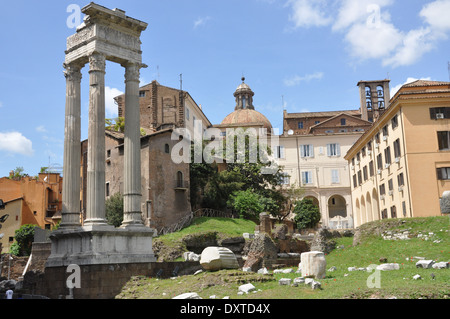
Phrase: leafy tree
[114,209]
[307,214]
[24,237]
[250,204]
[218,187]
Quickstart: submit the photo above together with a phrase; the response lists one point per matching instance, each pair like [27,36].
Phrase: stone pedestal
[313,264]
[99,245]
[265,225]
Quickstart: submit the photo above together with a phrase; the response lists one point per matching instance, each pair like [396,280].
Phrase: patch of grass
[339,284]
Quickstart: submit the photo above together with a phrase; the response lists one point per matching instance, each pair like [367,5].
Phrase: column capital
[72,72]
[132,71]
[97,62]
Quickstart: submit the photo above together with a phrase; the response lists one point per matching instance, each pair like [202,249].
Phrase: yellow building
[401,166]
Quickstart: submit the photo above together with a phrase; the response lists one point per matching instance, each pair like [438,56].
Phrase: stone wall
[98,281]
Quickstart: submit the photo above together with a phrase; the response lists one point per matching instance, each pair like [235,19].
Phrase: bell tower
[375,97]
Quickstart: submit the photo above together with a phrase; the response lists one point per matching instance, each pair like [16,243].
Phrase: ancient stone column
[95,195]
[72,149]
[132,149]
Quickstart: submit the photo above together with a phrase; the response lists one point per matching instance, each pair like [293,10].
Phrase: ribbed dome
[247,117]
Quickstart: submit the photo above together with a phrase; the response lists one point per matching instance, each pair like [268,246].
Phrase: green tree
[307,214]
[247,174]
[114,210]
[24,237]
[250,204]
[17,173]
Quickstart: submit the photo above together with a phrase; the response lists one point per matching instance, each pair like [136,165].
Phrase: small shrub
[307,214]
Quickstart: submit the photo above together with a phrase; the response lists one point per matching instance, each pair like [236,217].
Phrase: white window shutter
[311,150]
[338,150]
[328,149]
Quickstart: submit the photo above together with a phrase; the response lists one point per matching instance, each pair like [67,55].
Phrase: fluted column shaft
[95,201]
[72,149]
[132,192]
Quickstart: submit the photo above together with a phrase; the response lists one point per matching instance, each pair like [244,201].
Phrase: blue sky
[309,54]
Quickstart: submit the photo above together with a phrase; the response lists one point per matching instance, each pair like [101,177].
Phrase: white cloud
[296,79]
[308,13]
[110,105]
[408,80]
[415,44]
[41,129]
[201,21]
[368,31]
[15,142]
[436,14]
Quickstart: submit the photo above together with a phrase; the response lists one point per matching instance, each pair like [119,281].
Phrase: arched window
[179,179]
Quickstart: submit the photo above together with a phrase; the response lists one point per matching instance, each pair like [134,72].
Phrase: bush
[247,204]
[114,210]
[307,214]
[24,238]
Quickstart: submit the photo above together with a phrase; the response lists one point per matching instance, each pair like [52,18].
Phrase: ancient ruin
[104,35]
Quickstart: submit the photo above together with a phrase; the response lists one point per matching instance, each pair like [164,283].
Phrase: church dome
[247,117]
[244,113]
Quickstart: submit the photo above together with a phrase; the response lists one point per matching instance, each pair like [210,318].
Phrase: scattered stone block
[246,288]
[417,277]
[299,280]
[263,271]
[216,258]
[424,264]
[387,267]
[284,281]
[313,264]
[188,295]
[441,265]
[332,269]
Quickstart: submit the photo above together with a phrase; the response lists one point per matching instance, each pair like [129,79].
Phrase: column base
[99,244]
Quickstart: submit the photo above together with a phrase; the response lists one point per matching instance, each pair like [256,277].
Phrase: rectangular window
[307,178]
[377,138]
[382,190]
[286,179]
[300,125]
[440,113]
[188,113]
[335,176]
[384,214]
[397,151]
[400,179]
[359,178]
[355,182]
[363,151]
[279,152]
[343,122]
[333,150]
[393,212]
[307,151]
[107,189]
[443,173]
[141,93]
[316,122]
[379,162]
[385,131]
[365,175]
[371,169]
[387,155]
[391,184]
[394,121]
[404,208]
[444,140]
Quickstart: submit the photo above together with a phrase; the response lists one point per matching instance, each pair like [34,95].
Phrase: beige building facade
[400,167]
[312,151]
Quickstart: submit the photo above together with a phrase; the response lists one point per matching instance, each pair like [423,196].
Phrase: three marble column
[95,193]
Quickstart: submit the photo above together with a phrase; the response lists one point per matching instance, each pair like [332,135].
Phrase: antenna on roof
[181,82]
[157,72]
[282,102]
[449,71]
